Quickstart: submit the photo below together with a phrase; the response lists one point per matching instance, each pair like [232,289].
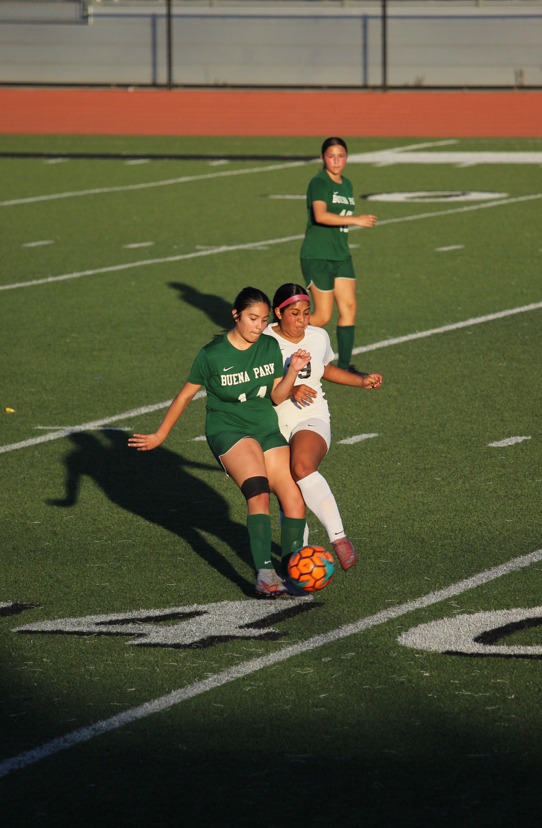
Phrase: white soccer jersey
[316,342]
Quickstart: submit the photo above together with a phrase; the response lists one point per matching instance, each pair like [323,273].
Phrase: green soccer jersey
[322,241]
[239,384]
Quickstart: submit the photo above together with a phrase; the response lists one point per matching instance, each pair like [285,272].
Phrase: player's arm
[283,386]
[332,373]
[146,442]
[323,216]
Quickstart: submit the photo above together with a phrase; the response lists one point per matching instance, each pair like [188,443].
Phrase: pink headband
[295,298]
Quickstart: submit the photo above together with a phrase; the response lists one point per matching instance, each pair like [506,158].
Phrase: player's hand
[144,442]
[372,381]
[303,394]
[366,221]
[299,360]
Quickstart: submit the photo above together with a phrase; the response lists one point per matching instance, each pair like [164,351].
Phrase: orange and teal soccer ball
[311,567]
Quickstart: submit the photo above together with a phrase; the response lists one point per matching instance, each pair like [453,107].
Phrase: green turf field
[151,714]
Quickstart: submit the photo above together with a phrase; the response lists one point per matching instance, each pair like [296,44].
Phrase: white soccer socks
[319,498]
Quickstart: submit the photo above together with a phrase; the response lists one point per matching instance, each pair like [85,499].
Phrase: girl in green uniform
[326,262]
[244,377]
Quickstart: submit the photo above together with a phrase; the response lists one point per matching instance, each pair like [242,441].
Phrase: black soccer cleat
[295,591]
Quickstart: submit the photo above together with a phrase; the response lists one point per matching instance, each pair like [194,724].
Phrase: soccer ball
[311,568]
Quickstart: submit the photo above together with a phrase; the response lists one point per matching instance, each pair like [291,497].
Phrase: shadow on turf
[158,487]
[192,783]
[216,308]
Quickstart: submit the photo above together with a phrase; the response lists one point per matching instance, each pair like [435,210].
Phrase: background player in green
[326,262]
[244,376]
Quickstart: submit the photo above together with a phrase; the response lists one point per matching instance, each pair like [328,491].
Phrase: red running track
[429,114]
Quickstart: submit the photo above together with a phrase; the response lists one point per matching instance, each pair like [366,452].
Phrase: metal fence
[296,43]
[43,11]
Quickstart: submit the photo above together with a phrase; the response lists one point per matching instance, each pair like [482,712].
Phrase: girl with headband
[244,377]
[326,262]
[304,416]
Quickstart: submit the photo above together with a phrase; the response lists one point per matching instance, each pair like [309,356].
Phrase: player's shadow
[158,487]
[216,308]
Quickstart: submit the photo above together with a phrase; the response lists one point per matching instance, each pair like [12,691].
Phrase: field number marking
[476,634]
[199,625]
[243,669]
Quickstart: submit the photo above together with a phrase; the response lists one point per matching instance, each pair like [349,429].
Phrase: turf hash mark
[135,412]
[259,245]
[84,734]
[38,243]
[349,441]
[510,441]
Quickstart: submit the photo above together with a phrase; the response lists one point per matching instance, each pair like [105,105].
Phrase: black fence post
[169,44]
[384,45]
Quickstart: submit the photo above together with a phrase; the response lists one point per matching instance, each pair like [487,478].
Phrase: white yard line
[93,425]
[84,734]
[150,184]
[393,155]
[455,326]
[213,251]
[188,178]
[477,320]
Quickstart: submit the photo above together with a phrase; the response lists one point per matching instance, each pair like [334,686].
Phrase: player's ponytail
[285,292]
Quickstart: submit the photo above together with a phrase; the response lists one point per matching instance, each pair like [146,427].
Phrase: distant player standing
[304,417]
[326,262]
[244,376]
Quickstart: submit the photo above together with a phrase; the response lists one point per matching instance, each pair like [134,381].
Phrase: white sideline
[65,432]
[256,245]
[84,734]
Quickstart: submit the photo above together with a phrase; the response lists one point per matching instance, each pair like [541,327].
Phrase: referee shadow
[216,308]
[158,487]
